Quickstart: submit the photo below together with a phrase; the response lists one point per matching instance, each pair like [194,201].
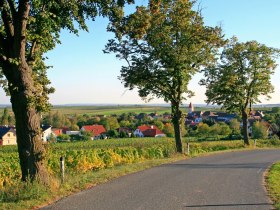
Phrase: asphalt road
[231,180]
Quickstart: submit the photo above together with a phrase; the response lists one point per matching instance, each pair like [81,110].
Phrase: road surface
[232,180]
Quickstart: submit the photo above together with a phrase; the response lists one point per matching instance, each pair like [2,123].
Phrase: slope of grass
[273,184]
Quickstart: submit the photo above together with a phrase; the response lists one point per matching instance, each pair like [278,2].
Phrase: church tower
[191,109]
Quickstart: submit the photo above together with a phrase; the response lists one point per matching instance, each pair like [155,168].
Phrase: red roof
[150,130]
[57,131]
[95,129]
[143,127]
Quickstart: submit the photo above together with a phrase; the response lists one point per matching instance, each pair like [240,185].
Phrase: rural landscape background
[94,90]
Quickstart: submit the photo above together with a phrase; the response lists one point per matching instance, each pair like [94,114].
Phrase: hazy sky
[81,73]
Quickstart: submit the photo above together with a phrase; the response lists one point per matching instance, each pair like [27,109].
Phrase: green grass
[273,184]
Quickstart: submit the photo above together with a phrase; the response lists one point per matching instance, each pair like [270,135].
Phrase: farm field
[115,109]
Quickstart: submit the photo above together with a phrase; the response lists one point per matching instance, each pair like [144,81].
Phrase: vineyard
[87,156]
[81,157]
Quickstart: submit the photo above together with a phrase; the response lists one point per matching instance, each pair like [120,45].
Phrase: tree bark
[24,95]
[176,119]
[28,130]
[245,127]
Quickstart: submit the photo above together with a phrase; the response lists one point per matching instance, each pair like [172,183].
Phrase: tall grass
[273,182]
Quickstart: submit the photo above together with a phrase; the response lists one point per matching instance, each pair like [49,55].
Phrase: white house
[47,132]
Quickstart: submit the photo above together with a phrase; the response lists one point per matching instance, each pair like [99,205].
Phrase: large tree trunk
[24,96]
[176,119]
[245,127]
[29,136]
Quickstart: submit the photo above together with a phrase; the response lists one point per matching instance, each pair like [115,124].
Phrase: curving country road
[231,180]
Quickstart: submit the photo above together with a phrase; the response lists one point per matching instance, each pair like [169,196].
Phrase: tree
[113,123]
[203,129]
[125,123]
[159,124]
[168,130]
[224,129]
[5,117]
[275,110]
[28,30]
[240,77]
[164,45]
[215,129]
[234,125]
[259,131]
[11,120]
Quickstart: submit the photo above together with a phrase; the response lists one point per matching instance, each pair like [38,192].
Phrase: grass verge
[273,184]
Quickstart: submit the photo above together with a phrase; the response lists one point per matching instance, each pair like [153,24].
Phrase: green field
[116,109]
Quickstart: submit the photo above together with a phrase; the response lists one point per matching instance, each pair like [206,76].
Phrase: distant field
[108,110]
[115,109]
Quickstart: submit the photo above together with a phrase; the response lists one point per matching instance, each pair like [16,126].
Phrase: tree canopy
[28,29]
[164,45]
[240,76]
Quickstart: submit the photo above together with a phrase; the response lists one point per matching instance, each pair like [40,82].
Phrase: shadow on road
[229,205]
[211,166]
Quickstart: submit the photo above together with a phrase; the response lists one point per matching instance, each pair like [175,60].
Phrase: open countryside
[175,152]
[128,146]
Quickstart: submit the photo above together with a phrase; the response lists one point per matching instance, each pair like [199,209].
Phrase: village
[145,125]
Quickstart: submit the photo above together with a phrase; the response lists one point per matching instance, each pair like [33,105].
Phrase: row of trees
[164,43]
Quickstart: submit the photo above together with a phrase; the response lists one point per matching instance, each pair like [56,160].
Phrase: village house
[47,132]
[98,131]
[148,131]
[7,136]
[57,131]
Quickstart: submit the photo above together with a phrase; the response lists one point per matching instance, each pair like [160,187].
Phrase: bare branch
[7,19]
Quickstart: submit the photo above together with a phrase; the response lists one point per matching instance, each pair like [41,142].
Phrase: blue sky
[81,73]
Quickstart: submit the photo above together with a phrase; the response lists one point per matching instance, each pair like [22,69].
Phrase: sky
[83,74]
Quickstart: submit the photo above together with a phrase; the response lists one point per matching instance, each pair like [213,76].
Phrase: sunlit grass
[273,182]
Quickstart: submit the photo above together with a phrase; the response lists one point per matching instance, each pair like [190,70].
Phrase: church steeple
[191,109]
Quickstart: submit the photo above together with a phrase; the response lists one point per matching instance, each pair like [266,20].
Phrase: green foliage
[42,22]
[164,45]
[273,181]
[88,155]
[259,131]
[63,137]
[275,110]
[112,133]
[224,129]
[168,130]
[235,126]
[203,129]
[241,76]
[5,117]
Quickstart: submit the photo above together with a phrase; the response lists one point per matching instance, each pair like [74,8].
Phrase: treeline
[111,123]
